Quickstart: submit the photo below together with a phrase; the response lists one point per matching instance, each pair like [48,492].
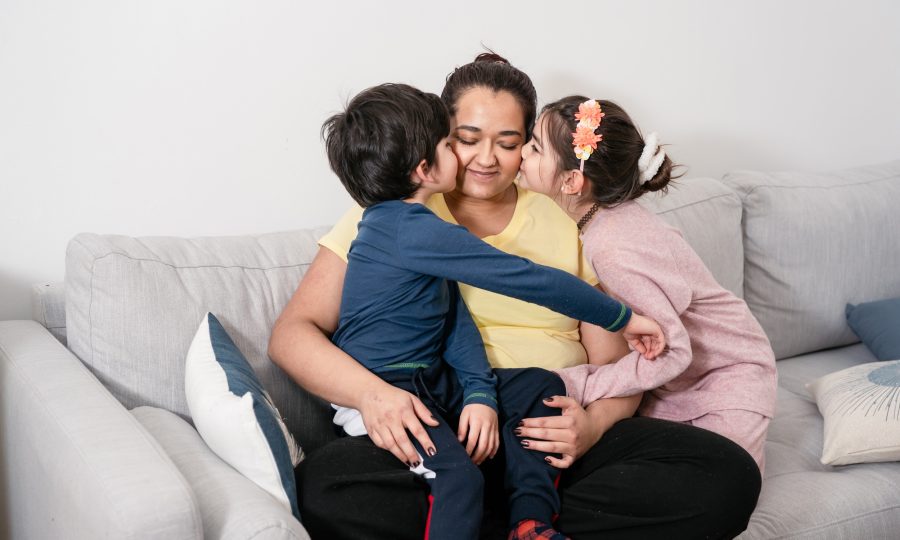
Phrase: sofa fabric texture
[232,507]
[814,242]
[132,306]
[75,463]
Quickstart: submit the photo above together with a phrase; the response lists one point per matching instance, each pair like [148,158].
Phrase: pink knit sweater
[718,356]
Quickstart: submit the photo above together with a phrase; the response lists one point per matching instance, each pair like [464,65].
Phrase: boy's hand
[478,427]
[645,336]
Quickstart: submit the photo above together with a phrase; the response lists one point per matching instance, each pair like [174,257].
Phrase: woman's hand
[571,434]
[388,412]
[479,430]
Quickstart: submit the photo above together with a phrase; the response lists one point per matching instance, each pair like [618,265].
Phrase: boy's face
[443,170]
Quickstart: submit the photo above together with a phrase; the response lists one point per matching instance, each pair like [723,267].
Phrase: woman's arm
[301,347]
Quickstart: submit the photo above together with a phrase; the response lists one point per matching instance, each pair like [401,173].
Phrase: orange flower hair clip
[585,138]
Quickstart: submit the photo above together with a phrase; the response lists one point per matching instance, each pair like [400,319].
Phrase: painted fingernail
[521,422]
[518,431]
[408,464]
[547,459]
[432,451]
[525,444]
[548,399]
[416,464]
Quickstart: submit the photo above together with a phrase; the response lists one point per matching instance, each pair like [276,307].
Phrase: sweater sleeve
[431,246]
[649,281]
[464,351]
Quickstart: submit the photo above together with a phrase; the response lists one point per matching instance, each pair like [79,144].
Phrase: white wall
[201,117]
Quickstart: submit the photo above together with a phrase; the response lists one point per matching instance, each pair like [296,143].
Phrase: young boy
[402,316]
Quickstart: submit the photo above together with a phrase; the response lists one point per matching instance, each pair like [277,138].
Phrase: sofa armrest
[75,463]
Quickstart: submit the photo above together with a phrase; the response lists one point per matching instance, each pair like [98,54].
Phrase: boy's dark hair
[492,71]
[378,141]
[613,166]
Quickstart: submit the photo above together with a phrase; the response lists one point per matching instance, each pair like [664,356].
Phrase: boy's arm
[431,246]
[464,351]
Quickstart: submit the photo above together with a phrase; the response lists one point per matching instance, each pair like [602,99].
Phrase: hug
[456,301]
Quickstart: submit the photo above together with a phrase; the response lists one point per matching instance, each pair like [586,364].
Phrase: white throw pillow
[861,408]
[235,415]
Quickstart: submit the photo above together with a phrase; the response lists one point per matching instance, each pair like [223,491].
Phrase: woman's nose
[486,157]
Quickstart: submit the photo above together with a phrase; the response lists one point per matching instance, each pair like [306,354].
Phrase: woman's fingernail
[548,399]
[521,422]
[547,459]
[518,431]
[525,444]
[408,464]
[432,451]
[416,464]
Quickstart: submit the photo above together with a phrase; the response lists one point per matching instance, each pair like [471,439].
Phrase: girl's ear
[572,182]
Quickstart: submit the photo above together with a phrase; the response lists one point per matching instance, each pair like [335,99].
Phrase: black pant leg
[649,478]
[351,489]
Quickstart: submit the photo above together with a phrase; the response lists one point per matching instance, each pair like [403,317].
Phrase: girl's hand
[388,412]
[571,434]
[478,427]
[645,336]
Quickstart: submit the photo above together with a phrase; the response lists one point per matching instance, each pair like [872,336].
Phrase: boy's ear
[420,174]
[573,182]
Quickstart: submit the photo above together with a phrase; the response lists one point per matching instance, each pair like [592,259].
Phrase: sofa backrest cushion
[132,306]
[709,215]
[814,242]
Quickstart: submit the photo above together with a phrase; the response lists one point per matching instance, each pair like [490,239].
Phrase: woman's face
[540,165]
[487,133]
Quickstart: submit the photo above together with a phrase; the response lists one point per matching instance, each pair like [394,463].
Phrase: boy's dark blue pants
[457,484]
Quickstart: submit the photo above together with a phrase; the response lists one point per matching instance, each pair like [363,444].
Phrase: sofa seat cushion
[802,498]
[231,506]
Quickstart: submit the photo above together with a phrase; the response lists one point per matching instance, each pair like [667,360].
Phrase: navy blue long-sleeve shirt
[401,307]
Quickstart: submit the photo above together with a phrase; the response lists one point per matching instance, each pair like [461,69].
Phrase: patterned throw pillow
[861,407]
[235,415]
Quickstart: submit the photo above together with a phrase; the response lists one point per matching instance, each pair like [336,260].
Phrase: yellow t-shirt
[515,333]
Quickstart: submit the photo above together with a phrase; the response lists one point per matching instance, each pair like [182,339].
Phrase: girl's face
[540,164]
[487,133]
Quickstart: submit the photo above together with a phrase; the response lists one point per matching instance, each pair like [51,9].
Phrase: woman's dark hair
[378,141]
[613,166]
[492,71]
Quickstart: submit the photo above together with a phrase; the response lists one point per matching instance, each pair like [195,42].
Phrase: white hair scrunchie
[651,158]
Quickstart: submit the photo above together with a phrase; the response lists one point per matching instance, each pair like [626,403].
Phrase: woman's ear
[573,182]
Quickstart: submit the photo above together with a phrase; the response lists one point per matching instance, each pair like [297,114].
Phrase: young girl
[719,370]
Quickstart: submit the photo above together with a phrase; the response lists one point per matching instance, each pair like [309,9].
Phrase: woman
[625,477]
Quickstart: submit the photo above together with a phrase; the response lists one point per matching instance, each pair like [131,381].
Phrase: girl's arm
[300,345]
[651,282]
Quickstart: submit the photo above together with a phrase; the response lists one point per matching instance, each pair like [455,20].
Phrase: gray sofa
[96,435]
